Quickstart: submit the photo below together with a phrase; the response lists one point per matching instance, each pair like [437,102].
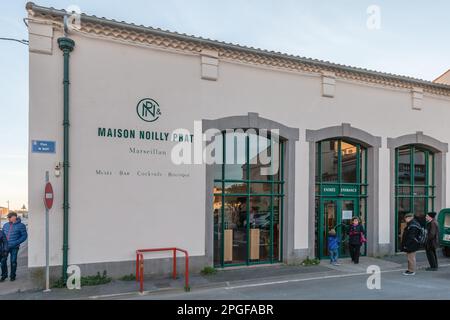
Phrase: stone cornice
[173,41]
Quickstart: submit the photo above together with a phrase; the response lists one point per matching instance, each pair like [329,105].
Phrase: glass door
[347,210]
[336,213]
[328,221]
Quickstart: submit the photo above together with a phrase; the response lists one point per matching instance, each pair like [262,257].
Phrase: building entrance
[341,192]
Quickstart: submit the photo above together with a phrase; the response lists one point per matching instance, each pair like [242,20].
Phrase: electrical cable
[23,41]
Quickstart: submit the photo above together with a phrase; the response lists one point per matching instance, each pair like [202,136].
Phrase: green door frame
[322,224]
[339,190]
[339,206]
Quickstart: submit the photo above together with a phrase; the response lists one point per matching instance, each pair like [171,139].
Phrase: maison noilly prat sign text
[147,110]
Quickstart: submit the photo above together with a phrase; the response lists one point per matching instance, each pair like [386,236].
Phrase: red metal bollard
[174,272]
[137,266]
[141,272]
[186,276]
[140,265]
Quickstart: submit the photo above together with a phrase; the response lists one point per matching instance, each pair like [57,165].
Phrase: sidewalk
[249,276]
[23,281]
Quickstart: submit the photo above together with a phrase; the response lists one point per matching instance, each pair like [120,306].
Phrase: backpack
[422,236]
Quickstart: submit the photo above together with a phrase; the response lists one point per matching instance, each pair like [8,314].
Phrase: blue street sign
[38,146]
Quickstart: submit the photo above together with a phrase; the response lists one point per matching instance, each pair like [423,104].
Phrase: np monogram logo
[148,110]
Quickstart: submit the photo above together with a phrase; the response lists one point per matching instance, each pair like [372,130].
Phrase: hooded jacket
[16,233]
[410,242]
[333,242]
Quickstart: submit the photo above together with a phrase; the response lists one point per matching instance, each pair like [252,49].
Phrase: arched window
[414,185]
[341,189]
[248,200]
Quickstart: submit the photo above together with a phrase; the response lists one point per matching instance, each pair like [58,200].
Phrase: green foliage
[59,284]
[310,262]
[208,271]
[130,277]
[86,281]
[95,280]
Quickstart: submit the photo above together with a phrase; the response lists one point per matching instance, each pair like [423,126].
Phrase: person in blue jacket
[16,233]
[333,247]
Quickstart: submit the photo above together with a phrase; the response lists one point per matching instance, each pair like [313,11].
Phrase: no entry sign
[48,196]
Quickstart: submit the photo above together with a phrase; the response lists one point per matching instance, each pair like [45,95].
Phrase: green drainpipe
[66,45]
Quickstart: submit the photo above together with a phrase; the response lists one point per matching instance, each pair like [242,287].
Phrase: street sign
[48,197]
[38,146]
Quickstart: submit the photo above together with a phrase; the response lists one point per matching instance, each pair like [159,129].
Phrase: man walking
[410,242]
[432,241]
[16,234]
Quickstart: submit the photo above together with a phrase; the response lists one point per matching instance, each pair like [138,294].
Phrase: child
[333,247]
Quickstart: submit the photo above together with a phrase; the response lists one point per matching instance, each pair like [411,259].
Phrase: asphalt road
[394,285]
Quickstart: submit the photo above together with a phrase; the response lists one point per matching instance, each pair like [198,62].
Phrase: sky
[402,37]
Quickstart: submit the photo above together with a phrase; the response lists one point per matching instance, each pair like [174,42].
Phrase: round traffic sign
[48,195]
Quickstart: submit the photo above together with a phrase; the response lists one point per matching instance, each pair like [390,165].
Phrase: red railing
[140,265]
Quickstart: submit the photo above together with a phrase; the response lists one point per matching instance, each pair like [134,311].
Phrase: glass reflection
[235,156]
[419,167]
[276,228]
[217,216]
[264,155]
[260,188]
[260,221]
[235,188]
[329,212]
[349,154]
[404,166]
[235,230]
[349,206]
[330,161]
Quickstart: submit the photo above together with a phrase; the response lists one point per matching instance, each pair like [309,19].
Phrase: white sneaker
[408,273]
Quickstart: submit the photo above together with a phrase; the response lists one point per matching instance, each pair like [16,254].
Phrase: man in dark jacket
[3,245]
[16,234]
[410,242]
[432,241]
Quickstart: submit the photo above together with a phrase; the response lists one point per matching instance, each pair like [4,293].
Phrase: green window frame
[361,182]
[429,187]
[276,191]
[361,185]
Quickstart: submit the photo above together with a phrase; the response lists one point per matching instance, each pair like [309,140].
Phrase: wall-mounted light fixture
[58,169]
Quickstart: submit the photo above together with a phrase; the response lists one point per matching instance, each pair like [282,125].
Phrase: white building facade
[352,142]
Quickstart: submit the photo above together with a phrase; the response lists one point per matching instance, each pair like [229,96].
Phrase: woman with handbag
[356,239]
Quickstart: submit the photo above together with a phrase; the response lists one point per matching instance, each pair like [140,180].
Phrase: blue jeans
[13,257]
[334,255]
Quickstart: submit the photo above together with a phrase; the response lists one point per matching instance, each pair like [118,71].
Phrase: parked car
[444,228]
